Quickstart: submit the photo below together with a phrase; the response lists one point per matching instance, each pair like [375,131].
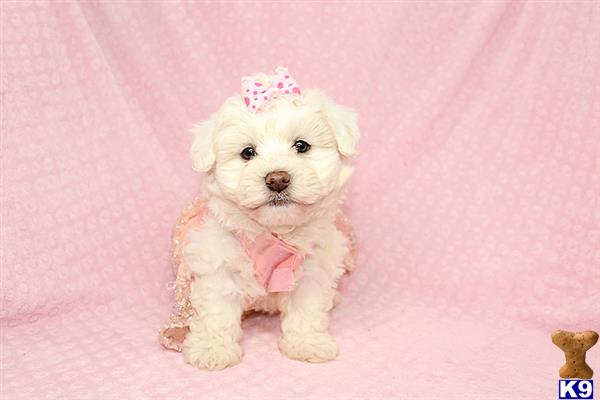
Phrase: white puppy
[282,171]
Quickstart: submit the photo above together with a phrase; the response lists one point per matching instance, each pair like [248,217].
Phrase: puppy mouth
[281,199]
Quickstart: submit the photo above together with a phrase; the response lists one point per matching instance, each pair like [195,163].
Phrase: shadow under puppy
[267,235]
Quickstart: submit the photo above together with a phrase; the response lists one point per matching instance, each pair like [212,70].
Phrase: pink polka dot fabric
[476,198]
[258,91]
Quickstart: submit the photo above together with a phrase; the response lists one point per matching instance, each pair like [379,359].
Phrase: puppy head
[281,166]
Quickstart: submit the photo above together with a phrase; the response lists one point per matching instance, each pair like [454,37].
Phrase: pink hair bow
[260,90]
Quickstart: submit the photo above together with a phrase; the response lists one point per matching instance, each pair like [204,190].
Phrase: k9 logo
[575,389]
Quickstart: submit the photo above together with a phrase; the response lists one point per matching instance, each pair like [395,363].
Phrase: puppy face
[280,166]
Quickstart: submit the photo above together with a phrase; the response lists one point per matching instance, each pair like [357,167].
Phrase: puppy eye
[248,153]
[301,146]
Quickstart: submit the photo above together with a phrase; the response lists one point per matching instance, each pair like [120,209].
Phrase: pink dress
[176,328]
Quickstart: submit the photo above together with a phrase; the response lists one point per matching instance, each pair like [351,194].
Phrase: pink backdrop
[476,198]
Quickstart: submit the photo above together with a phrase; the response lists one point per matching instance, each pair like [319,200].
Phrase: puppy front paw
[312,347]
[212,354]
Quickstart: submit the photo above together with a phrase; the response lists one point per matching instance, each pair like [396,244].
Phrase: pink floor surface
[476,198]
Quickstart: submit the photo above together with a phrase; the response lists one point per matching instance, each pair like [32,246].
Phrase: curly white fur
[224,285]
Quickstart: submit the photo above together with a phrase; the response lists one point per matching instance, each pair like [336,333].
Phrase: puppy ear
[345,126]
[202,152]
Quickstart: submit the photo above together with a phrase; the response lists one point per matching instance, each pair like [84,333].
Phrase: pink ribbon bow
[274,262]
[260,90]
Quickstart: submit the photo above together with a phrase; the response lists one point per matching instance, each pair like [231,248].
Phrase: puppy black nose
[277,180]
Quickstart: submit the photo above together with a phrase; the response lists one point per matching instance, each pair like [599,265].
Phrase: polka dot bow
[260,90]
